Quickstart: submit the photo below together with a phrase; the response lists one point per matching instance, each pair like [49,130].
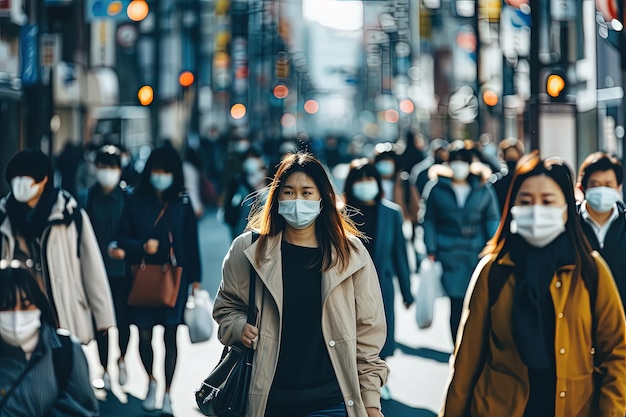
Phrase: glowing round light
[288,120]
[407,106]
[115,8]
[238,111]
[311,106]
[281,91]
[555,85]
[137,10]
[490,98]
[392,116]
[145,95]
[186,78]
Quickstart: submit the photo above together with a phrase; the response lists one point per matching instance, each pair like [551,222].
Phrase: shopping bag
[198,316]
[430,288]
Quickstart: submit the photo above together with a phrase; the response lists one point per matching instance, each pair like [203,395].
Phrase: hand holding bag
[430,288]
[156,285]
[198,316]
[224,393]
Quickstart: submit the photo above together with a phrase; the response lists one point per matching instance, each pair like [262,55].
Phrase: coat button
[562,351]
[331,343]
[562,394]
[560,315]
[558,284]
[350,403]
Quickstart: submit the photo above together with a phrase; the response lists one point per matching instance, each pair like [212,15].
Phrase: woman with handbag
[320,324]
[380,221]
[544,331]
[159,227]
[43,372]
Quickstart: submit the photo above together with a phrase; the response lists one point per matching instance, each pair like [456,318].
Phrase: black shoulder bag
[224,393]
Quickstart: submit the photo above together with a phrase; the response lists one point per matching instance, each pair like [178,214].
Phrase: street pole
[156,38]
[622,51]
[533,103]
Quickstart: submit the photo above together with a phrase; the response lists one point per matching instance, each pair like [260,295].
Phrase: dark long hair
[358,171]
[332,227]
[167,159]
[555,168]
[19,285]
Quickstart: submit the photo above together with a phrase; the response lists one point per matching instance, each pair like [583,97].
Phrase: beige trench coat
[353,321]
[79,286]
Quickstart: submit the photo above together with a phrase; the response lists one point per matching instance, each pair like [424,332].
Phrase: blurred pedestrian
[438,155]
[86,170]
[130,176]
[159,208]
[67,165]
[544,332]
[104,203]
[461,216]
[192,172]
[380,222]
[603,214]
[43,227]
[322,321]
[43,372]
[510,150]
[240,195]
[396,183]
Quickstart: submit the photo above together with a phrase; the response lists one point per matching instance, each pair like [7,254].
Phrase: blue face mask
[385,168]
[365,190]
[299,214]
[161,182]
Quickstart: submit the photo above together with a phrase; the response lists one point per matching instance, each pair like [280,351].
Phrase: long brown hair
[555,168]
[332,227]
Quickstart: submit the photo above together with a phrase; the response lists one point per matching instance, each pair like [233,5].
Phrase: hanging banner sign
[29,54]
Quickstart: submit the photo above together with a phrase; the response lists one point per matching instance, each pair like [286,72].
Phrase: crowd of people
[531,256]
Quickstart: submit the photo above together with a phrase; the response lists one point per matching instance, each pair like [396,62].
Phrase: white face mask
[161,182]
[601,199]
[460,170]
[21,328]
[125,160]
[539,225]
[256,178]
[24,188]
[299,214]
[365,190]
[385,168]
[108,177]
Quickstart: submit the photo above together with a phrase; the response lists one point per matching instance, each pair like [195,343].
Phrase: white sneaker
[149,404]
[106,381]
[123,376]
[166,410]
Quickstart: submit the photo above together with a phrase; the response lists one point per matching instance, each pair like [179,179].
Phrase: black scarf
[533,309]
[31,222]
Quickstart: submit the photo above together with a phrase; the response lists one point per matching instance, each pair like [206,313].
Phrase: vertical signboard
[29,54]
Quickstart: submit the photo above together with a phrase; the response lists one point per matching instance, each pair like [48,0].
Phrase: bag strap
[252,290]
[62,359]
[161,213]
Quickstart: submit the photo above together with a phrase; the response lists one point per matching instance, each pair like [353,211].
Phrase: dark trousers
[456,309]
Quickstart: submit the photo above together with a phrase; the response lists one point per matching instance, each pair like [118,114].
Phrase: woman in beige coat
[320,321]
[544,332]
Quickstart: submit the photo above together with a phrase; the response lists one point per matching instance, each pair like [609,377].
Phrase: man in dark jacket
[104,202]
[510,150]
[602,212]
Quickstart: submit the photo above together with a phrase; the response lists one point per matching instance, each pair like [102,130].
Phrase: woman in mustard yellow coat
[543,330]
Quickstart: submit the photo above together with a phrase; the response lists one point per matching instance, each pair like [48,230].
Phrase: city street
[419,368]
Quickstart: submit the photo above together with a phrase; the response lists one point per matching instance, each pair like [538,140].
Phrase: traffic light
[107,9]
[490,95]
[282,65]
[137,10]
[280,91]
[186,79]
[556,84]
[145,95]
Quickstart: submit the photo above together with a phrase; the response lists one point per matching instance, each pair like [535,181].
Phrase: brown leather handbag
[156,285]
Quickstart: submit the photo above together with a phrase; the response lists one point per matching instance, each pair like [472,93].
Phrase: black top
[305,380]
[105,211]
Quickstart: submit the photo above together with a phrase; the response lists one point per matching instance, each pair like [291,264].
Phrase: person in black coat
[380,221]
[510,151]
[603,213]
[157,208]
[104,202]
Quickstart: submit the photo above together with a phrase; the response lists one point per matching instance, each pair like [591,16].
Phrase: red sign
[5,4]
[608,8]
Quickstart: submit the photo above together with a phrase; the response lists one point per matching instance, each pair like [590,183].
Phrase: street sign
[29,54]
